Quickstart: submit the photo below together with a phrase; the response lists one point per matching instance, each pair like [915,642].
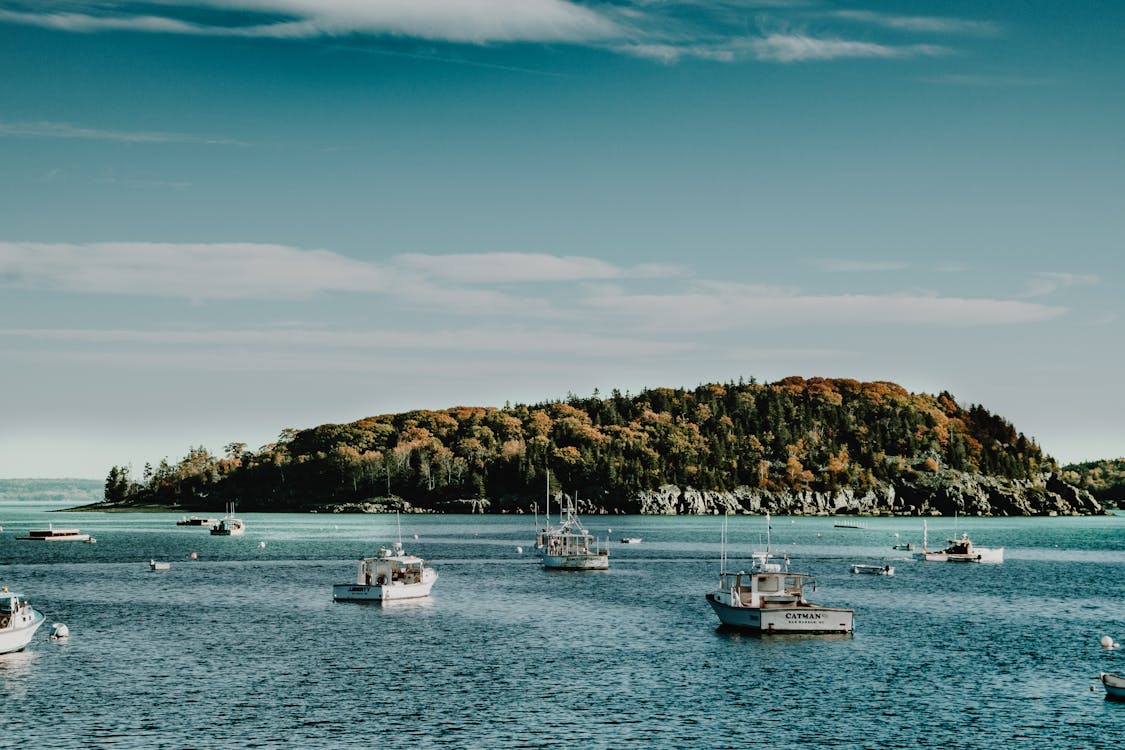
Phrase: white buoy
[194,556]
[1107,642]
[609,531]
[59,631]
[261,545]
[415,536]
[519,550]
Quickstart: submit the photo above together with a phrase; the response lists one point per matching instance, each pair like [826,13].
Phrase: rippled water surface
[243,647]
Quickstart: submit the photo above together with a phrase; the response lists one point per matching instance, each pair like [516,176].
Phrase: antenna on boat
[767,533]
[723,547]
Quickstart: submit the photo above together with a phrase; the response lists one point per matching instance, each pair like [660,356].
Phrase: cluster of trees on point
[1105,480]
[795,434]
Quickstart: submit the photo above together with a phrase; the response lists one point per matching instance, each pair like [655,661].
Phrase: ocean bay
[244,647]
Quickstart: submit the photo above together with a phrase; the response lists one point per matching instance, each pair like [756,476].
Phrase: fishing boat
[874,570]
[850,525]
[959,550]
[1114,687]
[391,576]
[51,534]
[196,521]
[770,599]
[568,546]
[228,525]
[18,622]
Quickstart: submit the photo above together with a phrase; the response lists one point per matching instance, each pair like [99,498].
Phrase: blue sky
[223,218]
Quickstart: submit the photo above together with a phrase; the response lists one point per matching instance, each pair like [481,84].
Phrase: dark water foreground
[244,647]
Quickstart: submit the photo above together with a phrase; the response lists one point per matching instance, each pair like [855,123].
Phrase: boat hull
[16,639]
[576,562]
[809,619]
[359,592]
[1114,687]
[986,555]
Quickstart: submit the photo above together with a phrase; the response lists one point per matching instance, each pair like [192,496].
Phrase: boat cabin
[390,567]
[768,586]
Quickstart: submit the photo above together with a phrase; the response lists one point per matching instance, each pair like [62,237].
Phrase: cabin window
[767,584]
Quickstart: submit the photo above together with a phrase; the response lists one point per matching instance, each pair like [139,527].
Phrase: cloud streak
[666,32]
[44,129]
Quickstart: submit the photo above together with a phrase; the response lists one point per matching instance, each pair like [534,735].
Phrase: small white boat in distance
[18,622]
[630,540]
[960,550]
[196,521]
[159,565]
[770,599]
[874,570]
[51,534]
[391,576]
[228,525]
[1114,687]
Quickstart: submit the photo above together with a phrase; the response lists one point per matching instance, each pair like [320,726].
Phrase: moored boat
[568,546]
[1114,687]
[874,570]
[770,599]
[959,550]
[630,540]
[51,534]
[391,576]
[196,521]
[18,622]
[228,525]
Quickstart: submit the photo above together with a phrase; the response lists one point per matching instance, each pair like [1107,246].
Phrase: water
[244,647]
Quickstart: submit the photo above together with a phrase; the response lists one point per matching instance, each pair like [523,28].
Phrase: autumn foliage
[796,434]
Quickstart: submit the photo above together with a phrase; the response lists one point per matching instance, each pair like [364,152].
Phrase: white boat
[51,534]
[770,599]
[18,622]
[1114,687]
[959,550]
[228,525]
[874,570]
[569,546]
[196,521]
[391,576]
[159,565]
[905,546]
[630,540]
[850,525]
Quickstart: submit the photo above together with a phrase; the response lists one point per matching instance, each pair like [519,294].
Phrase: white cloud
[1050,282]
[509,267]
[467,21]
[43,129]
[711,306]
[789,47]
[931,24]
[190,271]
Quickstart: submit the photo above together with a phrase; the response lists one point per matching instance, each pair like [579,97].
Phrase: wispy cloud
[929,24]
[841,265]
[189,271]
[1049,282]
[663,31]
[44,129]
[475,268]
[468,21]
[721,305]
[789,48]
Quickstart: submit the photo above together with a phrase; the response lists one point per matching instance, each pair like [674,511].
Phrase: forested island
[797,446]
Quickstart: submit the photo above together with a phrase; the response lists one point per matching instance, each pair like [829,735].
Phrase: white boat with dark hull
[18,622]
[959,550]
[770,599]
[391,576]
[51,534]
[1114,687]
[228,525]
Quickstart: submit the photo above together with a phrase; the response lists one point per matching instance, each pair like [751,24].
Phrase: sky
[220,219]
